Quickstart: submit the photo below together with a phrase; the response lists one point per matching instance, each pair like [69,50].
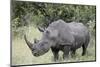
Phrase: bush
[42,14]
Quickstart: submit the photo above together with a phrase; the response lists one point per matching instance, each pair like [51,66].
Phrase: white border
[87,2]
[5,33]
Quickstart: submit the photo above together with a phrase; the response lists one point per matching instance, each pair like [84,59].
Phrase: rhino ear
[41,29]
[36,41]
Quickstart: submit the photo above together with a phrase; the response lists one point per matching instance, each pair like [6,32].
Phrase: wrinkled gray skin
[59,35]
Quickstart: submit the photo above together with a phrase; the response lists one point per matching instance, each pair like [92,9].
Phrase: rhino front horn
[28,42]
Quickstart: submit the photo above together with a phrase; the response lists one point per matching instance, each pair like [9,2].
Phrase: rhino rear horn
[28,42]
[36,41]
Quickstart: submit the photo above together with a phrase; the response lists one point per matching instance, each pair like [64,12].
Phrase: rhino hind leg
[84,47]
[55,53]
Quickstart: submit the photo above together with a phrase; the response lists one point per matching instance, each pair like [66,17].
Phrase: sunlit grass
[21,54]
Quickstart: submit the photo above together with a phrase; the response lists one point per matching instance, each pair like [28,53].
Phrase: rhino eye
[33,49]
[42,44]
[47,32]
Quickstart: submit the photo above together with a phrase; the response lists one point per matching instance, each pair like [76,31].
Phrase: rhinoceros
[61,36]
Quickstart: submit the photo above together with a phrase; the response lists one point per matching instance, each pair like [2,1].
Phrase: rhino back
[80,33]
[79,30]
[70,32]
[64,30]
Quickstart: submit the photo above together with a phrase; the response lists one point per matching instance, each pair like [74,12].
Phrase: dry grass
[21,54]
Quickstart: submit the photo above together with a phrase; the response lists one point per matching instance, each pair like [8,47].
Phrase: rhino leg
[85,45]
[66,52]
[73,53]
[55,53]
[84,50]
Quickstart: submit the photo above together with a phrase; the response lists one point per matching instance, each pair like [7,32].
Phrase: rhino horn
[28,42]
[36,41]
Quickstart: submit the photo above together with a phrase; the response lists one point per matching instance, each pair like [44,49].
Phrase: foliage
[91,26]
[42,14]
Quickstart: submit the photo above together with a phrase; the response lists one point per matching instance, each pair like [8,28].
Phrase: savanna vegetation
[27,16]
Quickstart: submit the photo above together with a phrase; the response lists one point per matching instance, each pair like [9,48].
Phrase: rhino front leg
[55,53]
[66,52]
[73,53]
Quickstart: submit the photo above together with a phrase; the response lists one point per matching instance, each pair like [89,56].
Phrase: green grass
[21,54]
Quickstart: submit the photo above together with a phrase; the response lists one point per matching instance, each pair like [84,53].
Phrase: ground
[21,54]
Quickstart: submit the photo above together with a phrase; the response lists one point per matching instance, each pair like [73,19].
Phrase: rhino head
[42,46]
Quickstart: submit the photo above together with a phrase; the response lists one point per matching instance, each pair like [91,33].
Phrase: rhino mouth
[36,55]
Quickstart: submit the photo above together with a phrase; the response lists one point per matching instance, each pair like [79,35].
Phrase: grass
[21,54]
